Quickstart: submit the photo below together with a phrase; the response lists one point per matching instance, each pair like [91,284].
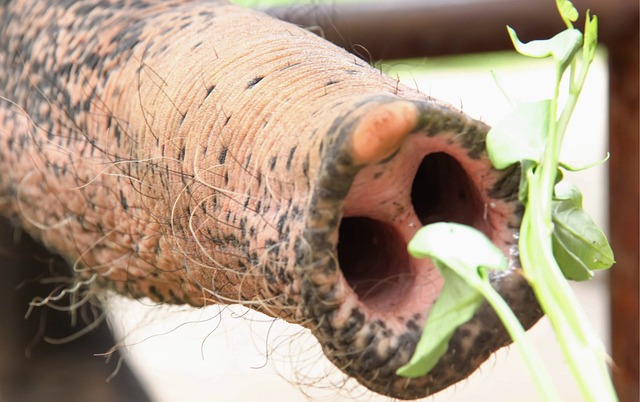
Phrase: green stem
[541,378]
[582,351]
[548,168]
[574,92]
[581,348]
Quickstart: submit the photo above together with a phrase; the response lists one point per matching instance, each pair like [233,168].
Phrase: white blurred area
[226,354]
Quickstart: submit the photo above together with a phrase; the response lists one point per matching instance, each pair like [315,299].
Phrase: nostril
[374,261]
[387,204]
[443,192]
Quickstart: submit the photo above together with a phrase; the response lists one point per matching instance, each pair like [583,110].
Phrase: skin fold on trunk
[198,152]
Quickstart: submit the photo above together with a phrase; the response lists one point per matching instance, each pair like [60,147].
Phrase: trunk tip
[382,130]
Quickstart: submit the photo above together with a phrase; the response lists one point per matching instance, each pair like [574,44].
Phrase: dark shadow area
[32,370]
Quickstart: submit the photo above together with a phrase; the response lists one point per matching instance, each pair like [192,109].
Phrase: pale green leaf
[562,47]
[455,306]
[578,242]
[573,168]
[568,12]
[590,38]
[521,135]
[463,273]
[444,240]
[571,265]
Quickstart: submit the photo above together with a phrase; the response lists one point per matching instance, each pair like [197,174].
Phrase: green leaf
[562,47]
[579,245]
[463,274]
[590,38]
[573,168]
[455,306]
[571,265]
[521,135]
[442,241]
[568,12]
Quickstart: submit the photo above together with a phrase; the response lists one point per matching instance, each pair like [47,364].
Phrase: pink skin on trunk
[196,152]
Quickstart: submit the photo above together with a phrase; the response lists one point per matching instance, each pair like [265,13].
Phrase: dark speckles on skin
[157,295]
[123,201]
[507,187]
[84,10]
[269,276]
[289,65]
[280,225]
[352,326]
[254,260]
[55,168]
[305,166]
[65,70]
[390,157]
[91,61]
[165,31]
[292,152]
[223,155]
[283,276]
[263,208]
[412,325]
[272,163]
[481,340]
[129,39]
[299,252]
[231,240]
[254,82]
[117,133]
[210,89]
[174,297]
[370,357]
[464,332]
[272,246]
[243,227]
[207,13]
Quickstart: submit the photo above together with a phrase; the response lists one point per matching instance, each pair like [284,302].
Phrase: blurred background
[228,353]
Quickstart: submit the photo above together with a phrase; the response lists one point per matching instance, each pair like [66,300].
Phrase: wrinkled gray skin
[195,152]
